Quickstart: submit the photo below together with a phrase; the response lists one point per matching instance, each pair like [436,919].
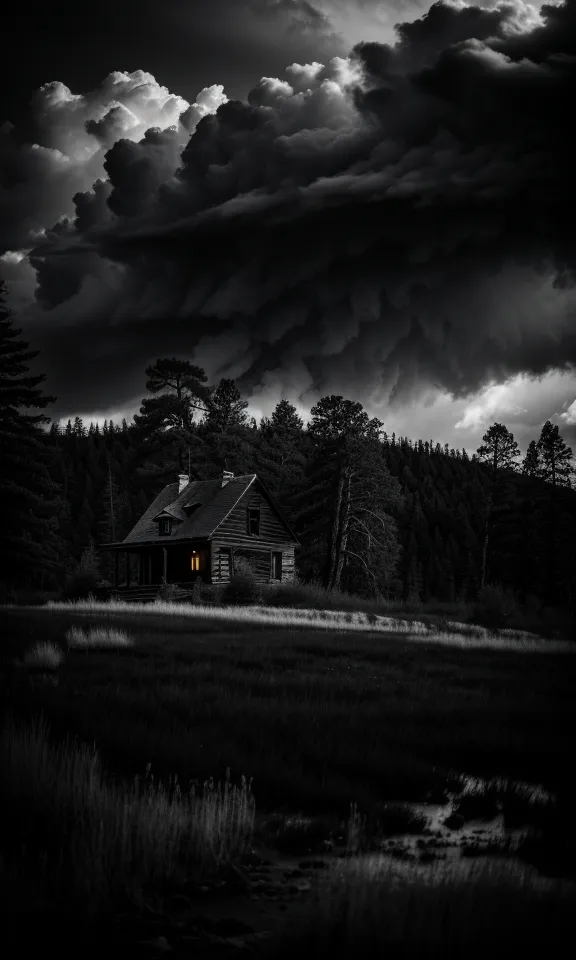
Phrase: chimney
[183,481]
[226,476]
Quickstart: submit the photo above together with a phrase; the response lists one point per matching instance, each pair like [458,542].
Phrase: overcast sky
[344,196]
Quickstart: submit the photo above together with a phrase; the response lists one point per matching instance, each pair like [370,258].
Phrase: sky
[341,196]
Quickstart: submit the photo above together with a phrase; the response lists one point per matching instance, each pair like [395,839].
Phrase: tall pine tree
[500,453]
[351,486]
[30,549]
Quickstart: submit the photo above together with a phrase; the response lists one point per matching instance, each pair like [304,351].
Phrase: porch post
[116,560]
[164,565]
[139,568]
[128,571]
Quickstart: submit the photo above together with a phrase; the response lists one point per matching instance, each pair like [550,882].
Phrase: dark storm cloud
[401,218]
[300,15]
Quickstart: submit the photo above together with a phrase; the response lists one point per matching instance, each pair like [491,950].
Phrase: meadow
[315,714]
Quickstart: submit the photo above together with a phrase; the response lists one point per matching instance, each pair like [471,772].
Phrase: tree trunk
[335,535]
[484,571]
[112,518]
[345,532]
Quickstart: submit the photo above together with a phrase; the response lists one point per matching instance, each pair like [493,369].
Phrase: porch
[145,567]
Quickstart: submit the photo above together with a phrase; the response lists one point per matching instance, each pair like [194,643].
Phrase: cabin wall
[272,530]
[225,556]
[232,542]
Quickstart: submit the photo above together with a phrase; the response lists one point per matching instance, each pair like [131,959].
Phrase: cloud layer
[379,225]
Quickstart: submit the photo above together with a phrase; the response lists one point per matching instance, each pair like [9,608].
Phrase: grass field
[319,716]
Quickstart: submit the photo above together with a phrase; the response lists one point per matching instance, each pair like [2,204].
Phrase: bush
[172,593]
[80,585]
[208,594]
[494,606]
[242,587]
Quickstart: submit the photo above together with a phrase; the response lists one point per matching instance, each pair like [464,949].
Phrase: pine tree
[225,432]
[531,464]
[30,549]
[280,454]
[500,452]
[166,424]
[556,469]
[354,492]
[556,466]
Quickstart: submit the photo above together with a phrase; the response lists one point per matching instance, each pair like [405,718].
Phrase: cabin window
[165,527]
[195,561]
[276,566]
[253,521]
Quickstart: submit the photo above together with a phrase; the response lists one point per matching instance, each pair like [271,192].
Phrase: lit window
[165,527]
[253,521]
[195,561]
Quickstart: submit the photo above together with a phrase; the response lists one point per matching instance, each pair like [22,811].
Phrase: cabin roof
[215,503]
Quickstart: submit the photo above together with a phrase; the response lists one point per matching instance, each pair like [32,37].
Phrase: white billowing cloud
[125,105]
[73,132]
[569,415]
[207,102]
[358,20]
[522,402]
[495,401]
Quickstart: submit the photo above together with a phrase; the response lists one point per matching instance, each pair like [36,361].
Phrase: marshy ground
[320,717]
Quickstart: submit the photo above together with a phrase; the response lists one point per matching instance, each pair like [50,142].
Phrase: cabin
[203,528]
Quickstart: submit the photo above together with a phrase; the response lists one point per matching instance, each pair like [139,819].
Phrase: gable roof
[216,502]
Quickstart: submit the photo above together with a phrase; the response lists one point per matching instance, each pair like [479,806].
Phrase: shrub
[172,593]
[494,606]
[43,656]
[80,585]
[242,587]
[208,593]
[196,595]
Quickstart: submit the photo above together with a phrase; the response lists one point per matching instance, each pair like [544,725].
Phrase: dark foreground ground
[318,719]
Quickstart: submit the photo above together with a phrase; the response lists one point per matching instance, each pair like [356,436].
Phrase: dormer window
[253,521]
[164,526]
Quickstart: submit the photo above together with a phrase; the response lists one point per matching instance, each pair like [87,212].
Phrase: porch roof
[156,542]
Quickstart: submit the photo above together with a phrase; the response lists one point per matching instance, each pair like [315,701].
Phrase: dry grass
[43,656]
[97,840]
[98,638]
[456,635]
[369,906]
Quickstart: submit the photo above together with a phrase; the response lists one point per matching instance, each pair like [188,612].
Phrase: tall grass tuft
[84,841]
[97,637]
[369,907]
[43,656]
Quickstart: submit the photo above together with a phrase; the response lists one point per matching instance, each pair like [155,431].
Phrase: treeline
[375,514]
